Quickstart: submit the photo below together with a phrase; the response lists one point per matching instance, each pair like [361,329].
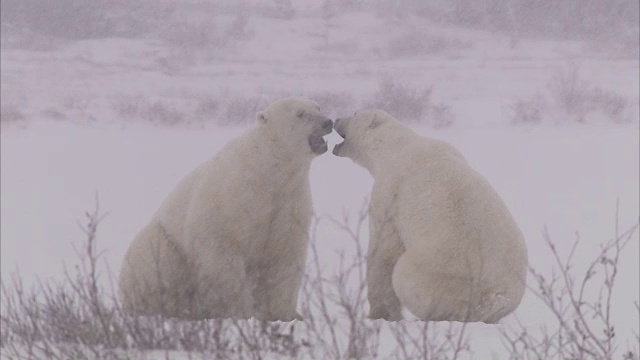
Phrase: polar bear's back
[214,193]
[220,197]
[453,219]
[173,210]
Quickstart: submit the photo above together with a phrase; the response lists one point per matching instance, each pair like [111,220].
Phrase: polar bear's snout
[339,126]
[322,127]
[327,125]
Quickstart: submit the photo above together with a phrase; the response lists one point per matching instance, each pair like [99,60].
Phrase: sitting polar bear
[442,242]
[231,239]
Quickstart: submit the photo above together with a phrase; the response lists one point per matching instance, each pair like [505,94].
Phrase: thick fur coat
[231,239]
[442,242]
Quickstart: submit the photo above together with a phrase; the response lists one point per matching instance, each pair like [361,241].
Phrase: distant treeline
[576,19]
[566,19]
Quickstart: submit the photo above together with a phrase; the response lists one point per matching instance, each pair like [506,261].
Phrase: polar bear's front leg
[223,290]
[385,248]
[278,267]
[278,276]
[276,289]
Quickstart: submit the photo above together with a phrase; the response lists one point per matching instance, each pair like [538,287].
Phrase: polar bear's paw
[495,307]
[380,313]
[284,318]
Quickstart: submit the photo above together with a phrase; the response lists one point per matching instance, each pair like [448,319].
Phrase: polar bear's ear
[375,122]
[262,119]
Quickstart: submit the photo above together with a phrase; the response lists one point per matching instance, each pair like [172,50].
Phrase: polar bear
[442,242]
[231,239]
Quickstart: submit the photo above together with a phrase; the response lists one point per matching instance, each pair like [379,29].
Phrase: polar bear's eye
[300,113]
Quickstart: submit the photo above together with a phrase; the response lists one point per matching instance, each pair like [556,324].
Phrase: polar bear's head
[364,134]
[298,123]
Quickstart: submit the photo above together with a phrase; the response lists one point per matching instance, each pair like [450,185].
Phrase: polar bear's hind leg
[435,296]
[275,291]
[222,286]
[495,307]
[385,248]
[155,277]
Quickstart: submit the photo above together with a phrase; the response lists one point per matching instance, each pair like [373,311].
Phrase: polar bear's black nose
[327,124]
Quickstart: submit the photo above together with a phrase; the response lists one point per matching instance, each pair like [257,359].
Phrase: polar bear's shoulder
[435,148]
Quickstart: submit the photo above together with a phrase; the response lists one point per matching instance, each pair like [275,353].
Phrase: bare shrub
[160,113]
[127,106]
[239,27]
[206,108]
[342,6]
[240,110]
[225,109]
[529,111]
[334,305]
[42,20]
[79,319]
[623,44]
[278,9]
[183,33]
[613,105]
[389,10]
[570,93]
[64,18]
[584,20]
[195,39]
[343,48]
[581,304]
[576,99]
[424,340]
[17,37]
[136,107]
[53,113]
[409,104]
[441,116]
[62,320]
[414,43]
[334,104]
[328,11]
[10,114]
[572,99]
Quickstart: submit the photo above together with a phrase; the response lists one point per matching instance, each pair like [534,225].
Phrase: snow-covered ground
[70,138]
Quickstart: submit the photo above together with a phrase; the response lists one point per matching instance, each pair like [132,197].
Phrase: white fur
[231,239]
[443,243]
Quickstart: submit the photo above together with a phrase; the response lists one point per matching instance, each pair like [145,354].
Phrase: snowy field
[127,118]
